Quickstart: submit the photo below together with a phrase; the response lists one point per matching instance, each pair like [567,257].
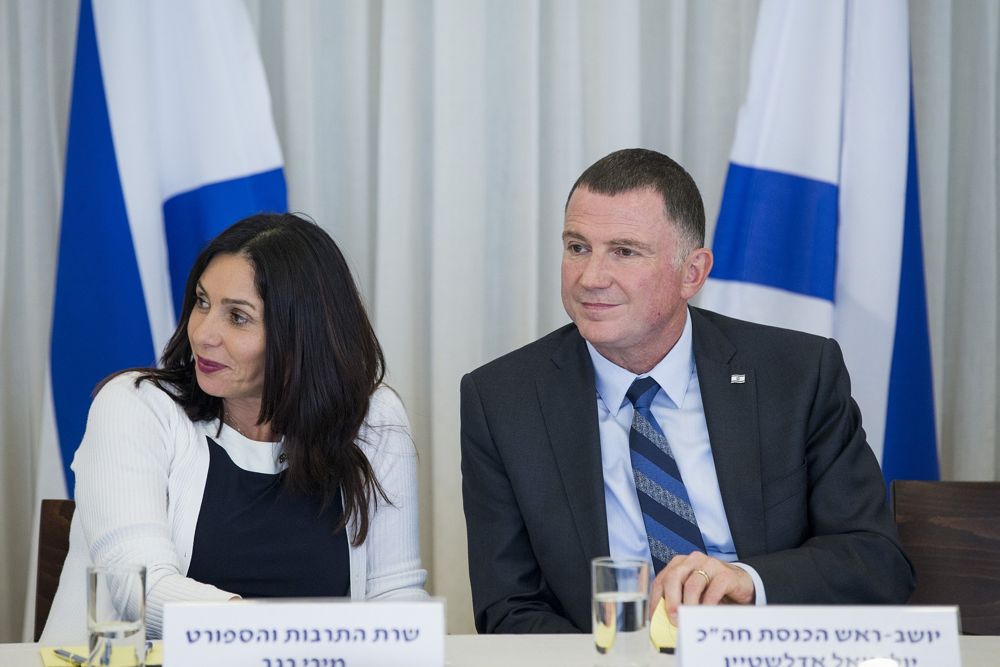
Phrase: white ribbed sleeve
[390,566]
[133,458]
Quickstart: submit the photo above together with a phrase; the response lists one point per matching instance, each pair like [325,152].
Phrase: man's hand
[699,579]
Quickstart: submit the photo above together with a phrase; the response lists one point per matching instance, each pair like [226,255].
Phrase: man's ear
[697,266]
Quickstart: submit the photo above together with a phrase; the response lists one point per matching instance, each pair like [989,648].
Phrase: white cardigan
[140,477]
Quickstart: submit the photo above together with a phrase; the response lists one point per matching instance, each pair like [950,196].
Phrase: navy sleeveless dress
[256,538]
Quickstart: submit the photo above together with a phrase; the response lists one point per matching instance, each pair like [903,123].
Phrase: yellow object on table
[604,637]
[120,656]
[662,633]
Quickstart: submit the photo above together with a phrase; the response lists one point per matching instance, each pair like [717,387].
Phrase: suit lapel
[731,415]
[569,406]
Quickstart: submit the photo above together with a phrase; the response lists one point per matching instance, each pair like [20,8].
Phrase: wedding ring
[708,577]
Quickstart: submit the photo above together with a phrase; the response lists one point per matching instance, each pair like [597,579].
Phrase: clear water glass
[116,610]
[620,595]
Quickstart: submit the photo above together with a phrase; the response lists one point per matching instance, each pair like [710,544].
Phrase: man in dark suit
[745,478]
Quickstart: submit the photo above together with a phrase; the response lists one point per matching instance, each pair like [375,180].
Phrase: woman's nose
[204,330]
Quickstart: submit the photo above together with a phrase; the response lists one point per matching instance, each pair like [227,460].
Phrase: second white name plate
[303,633]
[817,636]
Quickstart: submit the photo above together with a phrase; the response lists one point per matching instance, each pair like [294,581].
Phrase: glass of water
[116,610]
[620,590]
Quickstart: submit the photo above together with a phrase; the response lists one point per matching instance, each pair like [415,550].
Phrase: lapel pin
[737,378]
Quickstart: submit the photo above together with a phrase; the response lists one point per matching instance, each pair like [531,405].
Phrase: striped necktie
[671,526]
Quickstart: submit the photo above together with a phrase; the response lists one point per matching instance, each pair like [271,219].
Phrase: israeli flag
[819,228]
[171,140]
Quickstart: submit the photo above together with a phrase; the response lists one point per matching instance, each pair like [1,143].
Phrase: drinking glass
[621,601]
[116,609]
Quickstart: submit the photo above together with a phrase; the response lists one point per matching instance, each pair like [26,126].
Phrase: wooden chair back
[951,532]
[53,545]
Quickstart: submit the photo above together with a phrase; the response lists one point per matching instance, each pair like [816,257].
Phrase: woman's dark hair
[322,359]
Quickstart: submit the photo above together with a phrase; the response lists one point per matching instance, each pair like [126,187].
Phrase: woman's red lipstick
[206,366]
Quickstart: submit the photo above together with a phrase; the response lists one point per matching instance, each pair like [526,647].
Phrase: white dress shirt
[679,411]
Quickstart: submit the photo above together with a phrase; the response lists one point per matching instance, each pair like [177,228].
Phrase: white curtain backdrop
[436,140]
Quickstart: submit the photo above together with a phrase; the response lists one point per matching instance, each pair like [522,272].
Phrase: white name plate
[299,633]
[817,636]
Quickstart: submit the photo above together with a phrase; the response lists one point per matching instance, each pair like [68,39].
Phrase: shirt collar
[672,373]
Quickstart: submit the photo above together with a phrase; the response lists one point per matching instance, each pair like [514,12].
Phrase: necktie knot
[641,393]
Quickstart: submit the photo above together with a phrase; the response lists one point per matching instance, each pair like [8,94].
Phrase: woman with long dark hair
[264,457]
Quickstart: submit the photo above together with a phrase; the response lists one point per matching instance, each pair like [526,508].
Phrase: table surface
[534,651]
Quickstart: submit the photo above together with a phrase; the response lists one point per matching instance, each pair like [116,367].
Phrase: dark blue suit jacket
[802,490]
